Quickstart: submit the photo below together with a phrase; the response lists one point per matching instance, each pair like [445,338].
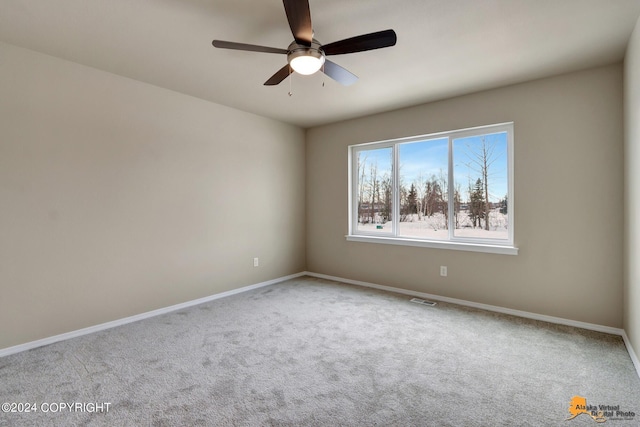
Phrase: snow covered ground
[435,227]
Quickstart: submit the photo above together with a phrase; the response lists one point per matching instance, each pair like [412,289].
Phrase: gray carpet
[311,352]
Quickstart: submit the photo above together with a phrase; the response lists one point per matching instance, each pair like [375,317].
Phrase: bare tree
[386,197]
[374,186]
[481,159]
[419,184]
[457,202]
[362,163]
[442,188]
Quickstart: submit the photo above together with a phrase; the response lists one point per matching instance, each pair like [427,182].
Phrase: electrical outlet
[443,270]
[256,262]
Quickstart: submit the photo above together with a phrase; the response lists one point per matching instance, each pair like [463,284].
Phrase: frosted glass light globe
[307,64]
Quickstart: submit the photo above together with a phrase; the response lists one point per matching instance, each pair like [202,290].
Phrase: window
[448,190]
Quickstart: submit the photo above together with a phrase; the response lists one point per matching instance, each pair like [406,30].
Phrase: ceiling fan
[305,55]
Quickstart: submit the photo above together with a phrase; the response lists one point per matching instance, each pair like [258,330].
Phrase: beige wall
[632,191]
[118,197]
[568,200]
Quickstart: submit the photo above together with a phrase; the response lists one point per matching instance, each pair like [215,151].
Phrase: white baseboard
[96,328]
[108,325]
[632,353]
[497,309]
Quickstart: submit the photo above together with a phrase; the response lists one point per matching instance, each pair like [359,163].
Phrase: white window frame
[498,246]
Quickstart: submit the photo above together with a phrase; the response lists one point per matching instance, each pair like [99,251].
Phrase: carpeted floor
[311,352]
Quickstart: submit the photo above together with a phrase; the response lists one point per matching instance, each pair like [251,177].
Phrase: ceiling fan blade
[339,74]
[361,43]
[250,47]
[279,76]
[299,17]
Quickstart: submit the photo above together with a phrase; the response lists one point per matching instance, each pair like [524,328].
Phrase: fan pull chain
[290,82]
[324,76]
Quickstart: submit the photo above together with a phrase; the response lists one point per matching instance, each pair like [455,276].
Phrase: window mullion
[353,196]
[396,190]
[451,191]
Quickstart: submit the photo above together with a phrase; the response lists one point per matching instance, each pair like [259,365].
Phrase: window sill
[457,246]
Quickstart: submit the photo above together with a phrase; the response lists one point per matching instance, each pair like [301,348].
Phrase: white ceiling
[445,47]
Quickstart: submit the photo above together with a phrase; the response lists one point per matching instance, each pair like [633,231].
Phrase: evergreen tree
[457,203]
[482,156]
[477,204]
[412,200]
[386,199]
[503,205]
[404,205]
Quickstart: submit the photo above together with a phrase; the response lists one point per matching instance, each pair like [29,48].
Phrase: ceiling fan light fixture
[306,55]
[306,61]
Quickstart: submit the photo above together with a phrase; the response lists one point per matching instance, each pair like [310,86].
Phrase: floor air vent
[423,302]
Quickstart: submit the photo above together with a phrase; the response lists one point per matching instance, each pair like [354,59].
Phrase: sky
[430,157]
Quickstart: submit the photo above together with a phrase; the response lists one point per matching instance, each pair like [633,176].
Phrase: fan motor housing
[296,50]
